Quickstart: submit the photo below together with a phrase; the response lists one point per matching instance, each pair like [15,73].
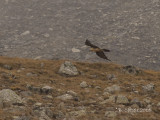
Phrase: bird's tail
[108,59]
[106,50]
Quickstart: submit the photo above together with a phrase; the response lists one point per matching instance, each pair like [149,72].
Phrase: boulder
[8,67]
[135,101]
[84,84]
[148,88]
[9,97]
[110,114]
[74,94]
[46,89]
[122,99]
[68,69]
[112,89]
[78,113]
[65,97]
[129,69]
[21,118]
[111,77]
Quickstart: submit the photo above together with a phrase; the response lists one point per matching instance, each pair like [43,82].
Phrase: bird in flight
[97,50]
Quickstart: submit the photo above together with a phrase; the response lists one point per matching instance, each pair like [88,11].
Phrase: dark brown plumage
[97,50]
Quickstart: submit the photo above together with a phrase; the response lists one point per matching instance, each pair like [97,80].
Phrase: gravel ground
[57,29]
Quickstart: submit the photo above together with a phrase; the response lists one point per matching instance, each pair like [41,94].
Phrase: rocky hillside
[57,29]
[70,90]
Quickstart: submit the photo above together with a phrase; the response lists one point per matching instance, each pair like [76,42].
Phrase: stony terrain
[57,29]
[70,90]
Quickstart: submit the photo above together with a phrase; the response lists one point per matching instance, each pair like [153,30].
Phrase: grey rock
[22,118]
[112,99]
[15,117]
[90,101]
[124,118]
[42,65]
[8,96]
[36,112]
[49,105]
[158,104]
[5,75]
[142,104]
[106,93]
[31,74]
[75,50]
[47,97]
[98,87]
[122,99]
[149,106]
[148,88]
[147,100]
[135,106]
[131,70]
[135,101]
[12,75]
[43,113]
[87,90]
[136,92]
[43,90]
[37,58]
[78,113]
[65,97]
[69,118]
[47,89]
[59,115]
[33,88]
[43,116]
[110,114]
[133,87]
[61,106]
[36,89]
[93,76]
[74,94]
[112,89]
[37,105]
[68,69]
[26,93]
[15,109]
[100,98]
[46,35]
[20,70]
[1,104]
[83,84]
[8,67]
[25,33]
[111,77]
[110,108]
[48,112]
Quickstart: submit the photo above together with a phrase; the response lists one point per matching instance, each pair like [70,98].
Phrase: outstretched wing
[88,43]
[102,55]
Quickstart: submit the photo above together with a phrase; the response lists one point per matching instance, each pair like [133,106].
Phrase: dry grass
[47,75]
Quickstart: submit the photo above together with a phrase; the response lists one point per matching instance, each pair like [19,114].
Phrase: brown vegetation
[46,73]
